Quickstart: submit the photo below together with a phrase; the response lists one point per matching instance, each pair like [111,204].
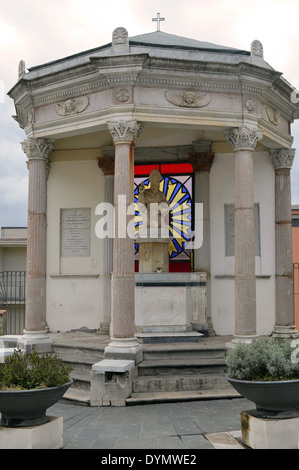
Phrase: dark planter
[21,408]
[273,399]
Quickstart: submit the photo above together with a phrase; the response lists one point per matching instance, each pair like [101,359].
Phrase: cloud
[38,32]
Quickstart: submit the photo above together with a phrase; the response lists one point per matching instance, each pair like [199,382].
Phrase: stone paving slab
[213,424]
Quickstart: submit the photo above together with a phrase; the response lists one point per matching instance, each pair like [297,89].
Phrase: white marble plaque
[75,232]
[229,215]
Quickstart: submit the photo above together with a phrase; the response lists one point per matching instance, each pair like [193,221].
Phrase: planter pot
[21,408]
[273,399]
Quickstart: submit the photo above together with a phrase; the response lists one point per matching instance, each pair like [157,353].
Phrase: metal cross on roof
[158,19]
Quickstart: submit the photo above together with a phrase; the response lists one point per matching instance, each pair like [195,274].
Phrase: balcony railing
[13,298]
[12,286]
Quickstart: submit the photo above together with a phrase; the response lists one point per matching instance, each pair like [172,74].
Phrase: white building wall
[74,285]
[14,259]
[222,267]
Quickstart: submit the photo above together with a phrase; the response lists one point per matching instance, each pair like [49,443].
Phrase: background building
[13,244]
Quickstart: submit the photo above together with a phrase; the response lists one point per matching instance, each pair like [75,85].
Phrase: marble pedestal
[169,302]
[43,436]
[260,433]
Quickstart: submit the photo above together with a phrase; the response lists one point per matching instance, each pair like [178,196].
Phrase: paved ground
[213,424]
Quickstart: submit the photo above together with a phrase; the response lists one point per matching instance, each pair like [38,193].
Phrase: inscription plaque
[229,216]
[75,232]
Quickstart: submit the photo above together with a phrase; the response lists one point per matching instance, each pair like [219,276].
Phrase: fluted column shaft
[202,163]
[107,166]
[124,134]
[282,160]
[37,151]
[243,141]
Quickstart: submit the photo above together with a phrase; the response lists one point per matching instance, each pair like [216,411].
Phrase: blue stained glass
[180,214]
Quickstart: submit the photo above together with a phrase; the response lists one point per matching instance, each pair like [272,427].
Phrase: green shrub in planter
[263,359]
[31,371]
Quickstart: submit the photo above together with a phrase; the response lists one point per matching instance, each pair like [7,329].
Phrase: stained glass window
[177,185]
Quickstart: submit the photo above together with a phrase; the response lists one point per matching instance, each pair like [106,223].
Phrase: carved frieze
[257,48]
[274,116]
[123,95]
[120,36]
[250,104]
[72,106]
[21,69]
[188,99]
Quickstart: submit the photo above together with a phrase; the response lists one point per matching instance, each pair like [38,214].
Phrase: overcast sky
[38,31]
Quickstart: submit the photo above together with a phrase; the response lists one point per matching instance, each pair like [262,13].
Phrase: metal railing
[13,299]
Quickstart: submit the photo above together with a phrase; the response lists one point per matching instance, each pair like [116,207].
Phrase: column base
[247,339]
[282,332]
[35,340]
[124,348]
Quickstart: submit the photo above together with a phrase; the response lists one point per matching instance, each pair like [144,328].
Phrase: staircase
[178,371]
[81,357]
[181,372]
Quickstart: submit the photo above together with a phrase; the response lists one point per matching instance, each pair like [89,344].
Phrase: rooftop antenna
[158,19]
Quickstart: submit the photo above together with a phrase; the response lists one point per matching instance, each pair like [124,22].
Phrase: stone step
[169,338]
[165,383]
[77,396]
[81,379]
[182,351]
[78,355]
[182,366]
[168,397]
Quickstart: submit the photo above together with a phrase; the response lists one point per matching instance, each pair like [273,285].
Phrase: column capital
[202,161]
[37,149]
[243,138]
[124,132]
[107,165]
[282,158]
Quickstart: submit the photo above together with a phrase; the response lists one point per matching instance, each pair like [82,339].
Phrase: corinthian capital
[124,132]
[37,149]
[243,138]
[282,158]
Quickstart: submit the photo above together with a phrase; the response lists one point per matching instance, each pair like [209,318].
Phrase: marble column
[35,333]
[282,160]
[243,140]
[202,163]
[106,164]
[123,342]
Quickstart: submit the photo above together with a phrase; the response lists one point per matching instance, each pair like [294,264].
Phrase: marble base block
[43,436]
[261,433]
[169,302]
